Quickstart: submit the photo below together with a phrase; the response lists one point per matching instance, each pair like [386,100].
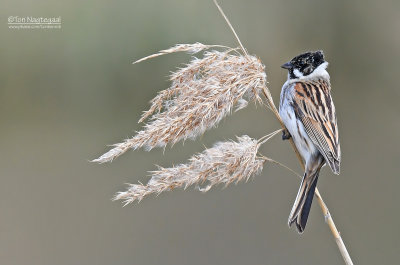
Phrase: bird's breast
[304,144]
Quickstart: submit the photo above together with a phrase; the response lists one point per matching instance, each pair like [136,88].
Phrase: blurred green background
[67,93]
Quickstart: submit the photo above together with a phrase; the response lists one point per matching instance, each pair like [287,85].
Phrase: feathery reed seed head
[201,94]
[224,163]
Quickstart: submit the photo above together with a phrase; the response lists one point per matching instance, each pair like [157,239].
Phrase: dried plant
[224,163]
[201,94]
[189,48]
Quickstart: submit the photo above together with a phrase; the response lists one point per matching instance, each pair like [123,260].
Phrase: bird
[308,113]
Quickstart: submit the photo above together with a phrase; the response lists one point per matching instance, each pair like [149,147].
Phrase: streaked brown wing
[313,105]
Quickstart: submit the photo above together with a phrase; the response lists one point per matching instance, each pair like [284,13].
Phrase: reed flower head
[224,163]
[201,94]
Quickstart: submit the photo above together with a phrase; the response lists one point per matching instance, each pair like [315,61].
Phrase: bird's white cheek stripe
[297,73]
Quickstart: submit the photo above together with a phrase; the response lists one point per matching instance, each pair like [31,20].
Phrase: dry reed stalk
[201,94]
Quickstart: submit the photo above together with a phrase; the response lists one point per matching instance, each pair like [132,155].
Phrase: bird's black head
[304,64]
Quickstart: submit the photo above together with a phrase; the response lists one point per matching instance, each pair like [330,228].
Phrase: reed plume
[225,163]
[201,94]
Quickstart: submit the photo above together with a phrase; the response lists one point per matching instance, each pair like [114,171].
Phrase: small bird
[307,110]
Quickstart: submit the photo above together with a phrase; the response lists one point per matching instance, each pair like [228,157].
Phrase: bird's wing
[313,105]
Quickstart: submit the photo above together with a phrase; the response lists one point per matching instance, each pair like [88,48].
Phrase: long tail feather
[302,205]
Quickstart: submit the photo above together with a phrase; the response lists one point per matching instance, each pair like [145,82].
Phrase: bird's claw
[285,135]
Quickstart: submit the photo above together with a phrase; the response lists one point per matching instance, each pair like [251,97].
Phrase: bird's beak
[287,65]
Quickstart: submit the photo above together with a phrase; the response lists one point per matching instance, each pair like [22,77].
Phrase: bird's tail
[302,204]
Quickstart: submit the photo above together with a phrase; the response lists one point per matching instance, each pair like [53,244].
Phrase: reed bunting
[307,110]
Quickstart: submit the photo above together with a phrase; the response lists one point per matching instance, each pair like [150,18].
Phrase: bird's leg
[285,135]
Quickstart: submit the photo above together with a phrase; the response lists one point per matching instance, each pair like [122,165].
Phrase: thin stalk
[231,27]
[324,208]
[335,232]
[280,164]
[265,138]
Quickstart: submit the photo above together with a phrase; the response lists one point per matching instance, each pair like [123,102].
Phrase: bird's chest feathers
[294,125]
